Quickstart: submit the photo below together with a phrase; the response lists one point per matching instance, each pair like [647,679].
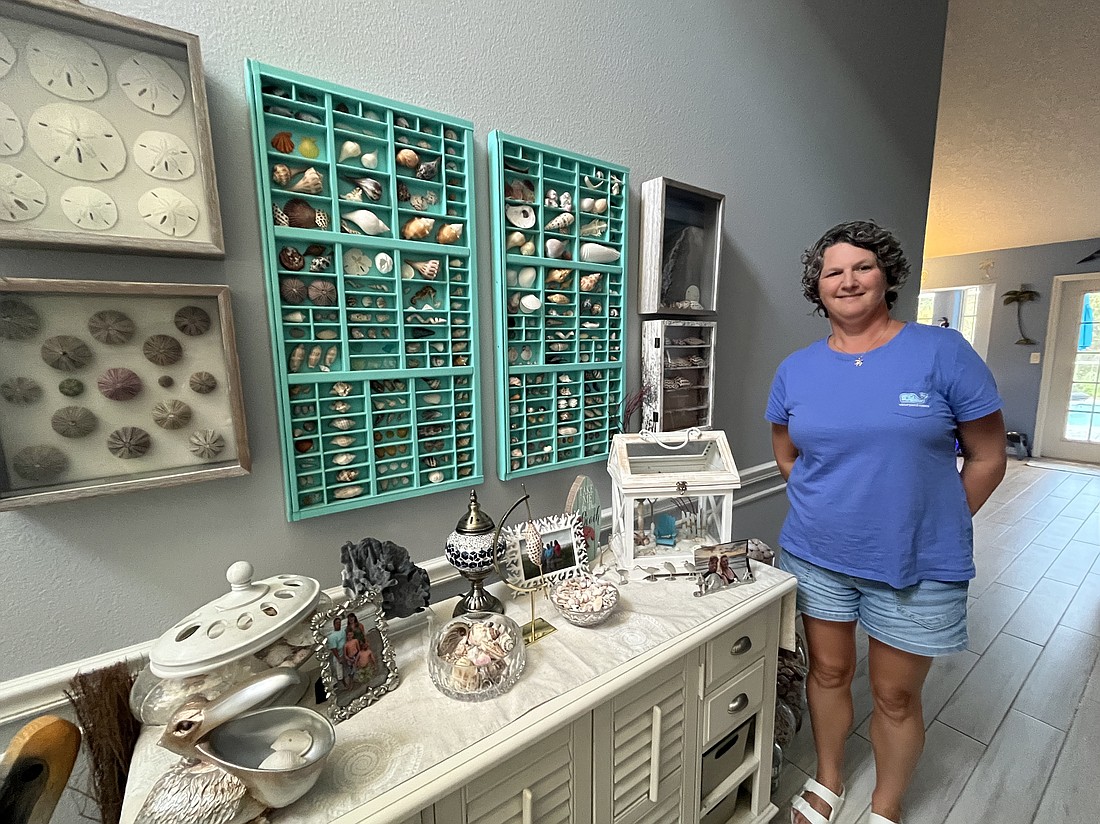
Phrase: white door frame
[1057,288]
[984,319]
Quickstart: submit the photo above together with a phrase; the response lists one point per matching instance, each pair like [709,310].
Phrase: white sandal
[880,819]
[835,802]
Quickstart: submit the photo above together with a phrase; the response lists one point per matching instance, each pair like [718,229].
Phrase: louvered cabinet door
[645,742]
[548,783]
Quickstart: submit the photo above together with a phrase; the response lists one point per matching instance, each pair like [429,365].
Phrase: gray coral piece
[387,568]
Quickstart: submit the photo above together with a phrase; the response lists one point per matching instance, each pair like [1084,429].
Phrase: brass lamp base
[477,599]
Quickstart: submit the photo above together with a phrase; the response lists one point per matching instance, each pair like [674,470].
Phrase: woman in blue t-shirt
[879,528]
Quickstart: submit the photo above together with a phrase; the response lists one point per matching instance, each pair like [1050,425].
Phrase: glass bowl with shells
[585,602]
[476,656]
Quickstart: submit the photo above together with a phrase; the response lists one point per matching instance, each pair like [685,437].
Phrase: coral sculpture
[386,567]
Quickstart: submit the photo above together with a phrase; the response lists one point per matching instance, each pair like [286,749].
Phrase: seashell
[164,381]
[417,228]
[567,201]
[171,414]
[341,389]
[20,391]
[311,182]
[428,169]
[203,382]
[119,384]
[514,240]
[372,115]
[356,261]
[163,350]
[66,66]
[343,441]
[343,424]
[71,387]
[424,297]
[90,208]
[282,142]
[594,184]
[590,282]
[383,263]
[527,248]
[77,142]
[66,353]
[343,458]
[163,155]
[428,269]
[39,463]
[192,321]
[551,198]
[368,221]
[111,326]
[556,248]
[527,276]
[290,258]
[322,292]
[597,253]
[11,127]
[407,272]
[557,297]
[346,475]
[369,160]
[402,192]
[345,492]
[423,202]
[595,227]
[600,206]
[523,217]
[435,476]
[206,444]
[402,122]
[18,321]
[354,196]
[342,407]
[560,223]
[73,421]
[129,442]
[330,358]
[151,84]
[348,150]
[587,203]
[529,304]
[327,334]
[449,233]
[169,212]
[559,277]
[511,277]
[300,214]
[292,290]
[408,158]
[314,357]
[282,174]
[370,187]
[308,147]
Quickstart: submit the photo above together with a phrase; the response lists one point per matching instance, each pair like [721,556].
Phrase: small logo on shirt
[913,399]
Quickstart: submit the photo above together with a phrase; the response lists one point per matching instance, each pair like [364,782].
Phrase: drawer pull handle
[655,755]
[737,704]
[741,645]
[527,802]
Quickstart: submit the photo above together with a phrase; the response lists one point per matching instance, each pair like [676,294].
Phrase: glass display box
[681,248]
[678,368]
[671,492]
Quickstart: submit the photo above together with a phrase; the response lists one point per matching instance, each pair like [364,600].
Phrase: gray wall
[802,117]
[1036,266]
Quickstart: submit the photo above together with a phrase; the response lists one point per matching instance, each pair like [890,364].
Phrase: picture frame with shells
[560,248]
[104,134]
[109,387]
[561,554]
[367,219]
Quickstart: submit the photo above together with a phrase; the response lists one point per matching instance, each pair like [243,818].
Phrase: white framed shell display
[111,387]
[104,134]
[555,550]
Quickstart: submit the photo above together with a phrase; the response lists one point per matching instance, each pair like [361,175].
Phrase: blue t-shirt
[875,491]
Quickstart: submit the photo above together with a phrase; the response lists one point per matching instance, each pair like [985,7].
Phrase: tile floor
[1014,721]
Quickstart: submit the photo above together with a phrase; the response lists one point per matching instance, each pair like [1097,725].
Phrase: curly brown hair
[864,234]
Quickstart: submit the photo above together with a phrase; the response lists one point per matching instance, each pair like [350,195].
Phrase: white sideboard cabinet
[663,715]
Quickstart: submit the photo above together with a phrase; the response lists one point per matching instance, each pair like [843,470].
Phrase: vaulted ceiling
[1017,160]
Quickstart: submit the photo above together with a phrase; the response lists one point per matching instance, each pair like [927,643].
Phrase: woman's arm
[785,450]
[984,459]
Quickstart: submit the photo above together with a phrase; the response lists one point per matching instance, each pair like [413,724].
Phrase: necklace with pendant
[859,358]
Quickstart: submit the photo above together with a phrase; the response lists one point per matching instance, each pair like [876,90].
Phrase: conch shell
[368,221]
[449,233]
[597,253]
[370,187]
[311,182]
[349,149]
[428,269]
[417,228]
[527,248]
[369,160]
[408,158]
[283,174]
[428,169]
[560,278]
[514,240]
[555,248]
[593,228]
[591,281]
[560,223]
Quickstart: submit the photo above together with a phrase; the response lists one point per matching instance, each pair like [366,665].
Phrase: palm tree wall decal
[1020,297]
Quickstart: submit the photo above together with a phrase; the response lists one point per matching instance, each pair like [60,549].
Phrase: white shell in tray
[252,615]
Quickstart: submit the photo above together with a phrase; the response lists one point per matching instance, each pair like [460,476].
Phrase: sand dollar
[7,55]
[21,196]
[170,212]
[89,208]
[66,66]
[163,155]
[39,463]
[76,142]
[151,84]
[11,130]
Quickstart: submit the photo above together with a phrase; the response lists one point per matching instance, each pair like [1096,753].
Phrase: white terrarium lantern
[671,492]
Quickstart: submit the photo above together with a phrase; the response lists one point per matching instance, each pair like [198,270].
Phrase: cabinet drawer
[733,704]
[736,648]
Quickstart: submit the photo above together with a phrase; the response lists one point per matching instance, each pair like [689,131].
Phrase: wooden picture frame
[356,669]
[563,546]
[116,386]
[142,178]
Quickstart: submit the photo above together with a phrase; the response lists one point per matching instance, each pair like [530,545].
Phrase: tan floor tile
[1070,797]
[948,760]
[1038,615]
[1053,689]
[989,615]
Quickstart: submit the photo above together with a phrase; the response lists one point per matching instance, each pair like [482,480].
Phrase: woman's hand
[984,458]
[784,449]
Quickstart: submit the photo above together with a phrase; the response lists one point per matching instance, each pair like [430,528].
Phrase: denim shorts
[928,618]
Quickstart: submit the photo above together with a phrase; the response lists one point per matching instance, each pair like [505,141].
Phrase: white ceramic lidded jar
[215,647]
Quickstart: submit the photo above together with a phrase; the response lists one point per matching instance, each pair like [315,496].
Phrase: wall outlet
[1034,357]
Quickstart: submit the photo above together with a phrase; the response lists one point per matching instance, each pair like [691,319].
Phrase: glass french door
[1071,422]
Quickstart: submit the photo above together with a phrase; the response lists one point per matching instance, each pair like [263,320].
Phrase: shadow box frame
[86,298]
[72,19]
